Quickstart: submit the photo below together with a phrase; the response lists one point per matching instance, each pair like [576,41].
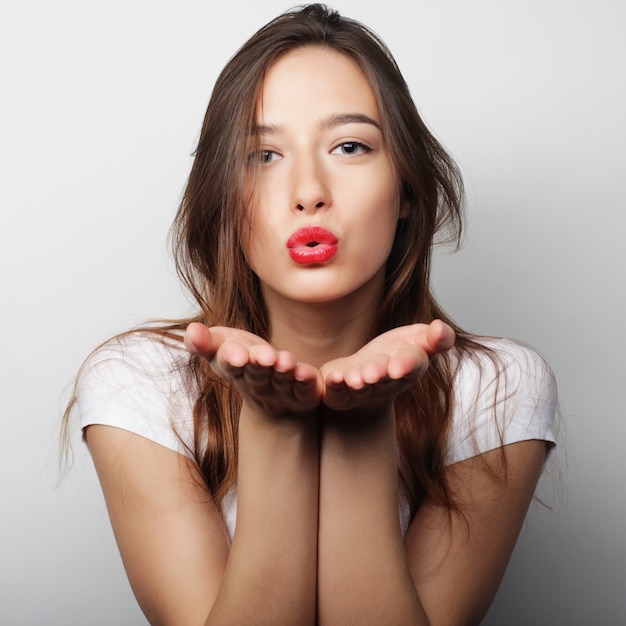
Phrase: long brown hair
[210,225]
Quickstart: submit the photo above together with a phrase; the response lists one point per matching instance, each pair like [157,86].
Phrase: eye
[263,157]
[351,148]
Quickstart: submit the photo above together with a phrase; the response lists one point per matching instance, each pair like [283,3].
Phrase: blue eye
[351,148]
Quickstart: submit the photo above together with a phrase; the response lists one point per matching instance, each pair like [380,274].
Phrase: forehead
[315,80]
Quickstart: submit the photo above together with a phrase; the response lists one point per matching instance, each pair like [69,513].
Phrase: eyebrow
[334,120]
[348,118]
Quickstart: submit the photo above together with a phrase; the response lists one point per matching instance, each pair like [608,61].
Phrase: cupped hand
[271,380]
[384,367]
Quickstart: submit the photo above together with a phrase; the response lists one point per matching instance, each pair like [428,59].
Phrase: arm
[457,564]
[270,577]
[172,539]
[439,574]
[364,575]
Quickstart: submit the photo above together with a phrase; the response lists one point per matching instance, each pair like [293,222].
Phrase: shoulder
[147,351]
[505,365]
[140,382]
[504,392]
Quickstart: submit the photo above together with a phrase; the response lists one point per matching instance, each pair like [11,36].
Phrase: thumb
[439,337]
[199,340]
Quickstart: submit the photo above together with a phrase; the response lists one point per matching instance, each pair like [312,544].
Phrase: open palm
[384,367]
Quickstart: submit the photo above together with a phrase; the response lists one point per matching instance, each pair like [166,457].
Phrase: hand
[270,380]
[384,367]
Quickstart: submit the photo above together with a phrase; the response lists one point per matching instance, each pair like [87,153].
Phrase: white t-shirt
[141,385]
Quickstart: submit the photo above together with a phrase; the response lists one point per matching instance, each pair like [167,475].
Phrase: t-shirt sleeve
[509,398]
[136,383]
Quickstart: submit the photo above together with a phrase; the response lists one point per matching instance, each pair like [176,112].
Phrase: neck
[319,332]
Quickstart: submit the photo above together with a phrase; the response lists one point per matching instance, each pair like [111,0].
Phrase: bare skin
[318,537]
[280,390]
[353,397]
[270,379]
[275,381]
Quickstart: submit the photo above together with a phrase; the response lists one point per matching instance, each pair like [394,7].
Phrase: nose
[310,190]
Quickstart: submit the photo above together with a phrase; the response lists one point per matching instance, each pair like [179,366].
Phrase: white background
[100,108]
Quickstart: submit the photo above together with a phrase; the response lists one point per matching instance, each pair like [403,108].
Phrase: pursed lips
[312,244]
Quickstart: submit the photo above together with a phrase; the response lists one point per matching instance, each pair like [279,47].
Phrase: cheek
[258,211]
[259,242]
[249,218]
[385,219]
[250,243]
[384,223]
[252,237]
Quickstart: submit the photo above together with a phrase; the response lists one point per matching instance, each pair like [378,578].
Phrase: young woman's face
[326,199]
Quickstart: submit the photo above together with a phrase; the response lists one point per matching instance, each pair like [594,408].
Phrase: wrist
[260,420]
[362,420]
[368,435]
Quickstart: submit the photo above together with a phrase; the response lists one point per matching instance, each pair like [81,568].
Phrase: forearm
[363,574]
[271,572]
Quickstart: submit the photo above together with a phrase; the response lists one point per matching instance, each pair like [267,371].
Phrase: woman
[377,461]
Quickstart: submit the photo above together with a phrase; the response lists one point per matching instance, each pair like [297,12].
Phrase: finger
[308,385]
[336,395]
[375,369]
[354,379]
[269,366]
[407,362]
[263,355]
[232,354]
[305,372]
[307,391]
[439,337]
[198,340]
[257,376]
[286,362]
[334,377]
[285,382]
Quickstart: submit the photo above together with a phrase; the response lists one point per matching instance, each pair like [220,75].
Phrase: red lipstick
[312,244]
